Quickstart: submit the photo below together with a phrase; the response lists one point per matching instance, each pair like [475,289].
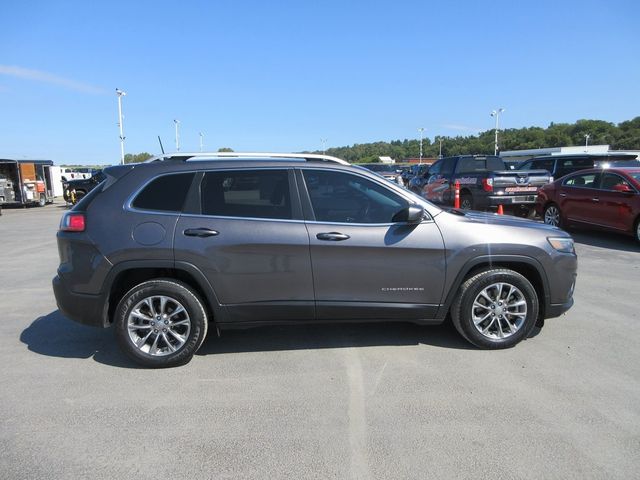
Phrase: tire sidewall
[468,198]
[180,292]
[544,215]
[465,321]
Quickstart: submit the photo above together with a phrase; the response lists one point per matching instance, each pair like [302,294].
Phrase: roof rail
[309,157]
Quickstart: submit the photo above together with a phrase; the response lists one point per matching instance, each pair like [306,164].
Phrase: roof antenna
[161,147]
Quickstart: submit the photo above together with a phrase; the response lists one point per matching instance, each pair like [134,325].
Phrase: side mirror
[411,214]
[623,188]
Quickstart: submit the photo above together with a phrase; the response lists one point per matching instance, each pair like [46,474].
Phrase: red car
[601,198]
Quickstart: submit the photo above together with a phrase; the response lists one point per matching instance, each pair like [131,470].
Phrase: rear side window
[475,164]
[166,193]
[250,194]
[586,180]
[544,165]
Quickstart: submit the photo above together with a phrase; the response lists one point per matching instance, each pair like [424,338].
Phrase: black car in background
[74,190]
[418,176]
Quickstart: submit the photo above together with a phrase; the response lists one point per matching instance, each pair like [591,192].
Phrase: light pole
[120,94]
[177,122]
[496,113]
[440,156]
[324,145]
[586,141]
[201,142]
[421,130]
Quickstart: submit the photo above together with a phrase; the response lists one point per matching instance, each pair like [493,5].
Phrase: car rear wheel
[495,309]
[161,323]
[42,201]
[466,202]
[552,215]
[638,229]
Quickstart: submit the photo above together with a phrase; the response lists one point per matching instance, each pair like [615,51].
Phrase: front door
[250,241]
[613,208]
[364,265]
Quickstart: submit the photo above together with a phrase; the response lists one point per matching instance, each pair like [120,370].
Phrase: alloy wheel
[552,216]
[499,310]
[158,325]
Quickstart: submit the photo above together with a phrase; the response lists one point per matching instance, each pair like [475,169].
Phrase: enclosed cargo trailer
[26,182]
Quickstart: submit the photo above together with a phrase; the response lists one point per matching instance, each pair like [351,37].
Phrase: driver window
[346,198]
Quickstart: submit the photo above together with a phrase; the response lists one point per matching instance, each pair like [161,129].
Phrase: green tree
[225,149]
[137,157]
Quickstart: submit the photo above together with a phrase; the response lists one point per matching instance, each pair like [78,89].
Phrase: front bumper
[80,307]
[555,310]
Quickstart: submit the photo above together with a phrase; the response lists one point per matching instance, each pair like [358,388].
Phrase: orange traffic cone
[500,210]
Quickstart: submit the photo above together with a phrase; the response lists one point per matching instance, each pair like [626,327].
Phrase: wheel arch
[528,267]
[127,275]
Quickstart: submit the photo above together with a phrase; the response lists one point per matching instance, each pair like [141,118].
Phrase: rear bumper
[525,199]
[79,307]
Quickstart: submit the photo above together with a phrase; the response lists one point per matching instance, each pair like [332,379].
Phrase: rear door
[364,265]
[248,237]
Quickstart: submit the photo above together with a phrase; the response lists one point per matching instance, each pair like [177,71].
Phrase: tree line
[623,136]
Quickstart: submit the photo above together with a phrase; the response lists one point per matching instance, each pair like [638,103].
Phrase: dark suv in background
[560,165]
[165,249]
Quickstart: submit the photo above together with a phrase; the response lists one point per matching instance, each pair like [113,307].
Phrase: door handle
[595,199]
[563,194]
[332,236]
[200,232]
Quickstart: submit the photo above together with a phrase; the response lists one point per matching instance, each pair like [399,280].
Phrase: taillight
[487,184]
[72,222]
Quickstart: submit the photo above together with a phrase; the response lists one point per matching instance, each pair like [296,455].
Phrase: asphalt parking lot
[351,401]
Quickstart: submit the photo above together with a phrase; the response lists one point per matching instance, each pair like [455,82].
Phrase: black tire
[463,308]
[79,195]
[552,211]
[466,202]
[637,230]
[178,294]
[42,201]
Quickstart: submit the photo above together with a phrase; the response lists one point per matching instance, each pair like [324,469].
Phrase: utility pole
[421,130]
[440,156]
[586,141]
[324,145]
[177,122]
[496,113]
[120,94]
[201,142]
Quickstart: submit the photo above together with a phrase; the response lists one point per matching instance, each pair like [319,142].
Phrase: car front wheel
[495,309]
[161,323]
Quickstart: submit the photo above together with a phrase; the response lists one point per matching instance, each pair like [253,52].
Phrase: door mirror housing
[411,214]
[623,188]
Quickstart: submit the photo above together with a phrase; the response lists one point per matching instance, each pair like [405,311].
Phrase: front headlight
[562,244]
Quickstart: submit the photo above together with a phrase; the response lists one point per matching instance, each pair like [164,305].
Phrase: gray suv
[164,250]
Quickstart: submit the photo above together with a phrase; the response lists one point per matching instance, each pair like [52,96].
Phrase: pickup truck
[485,182]
[74,190]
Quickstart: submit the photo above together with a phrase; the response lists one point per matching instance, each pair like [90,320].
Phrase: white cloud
[39,76]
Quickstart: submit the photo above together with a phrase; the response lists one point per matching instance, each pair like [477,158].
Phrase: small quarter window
[166,193]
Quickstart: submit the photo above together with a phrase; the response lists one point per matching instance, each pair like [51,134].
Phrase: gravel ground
[351,401]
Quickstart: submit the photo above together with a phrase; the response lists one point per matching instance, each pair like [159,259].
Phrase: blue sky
[279,76]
